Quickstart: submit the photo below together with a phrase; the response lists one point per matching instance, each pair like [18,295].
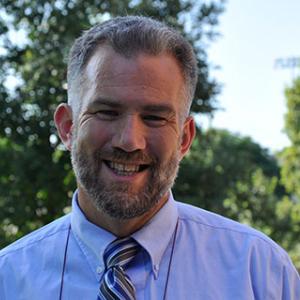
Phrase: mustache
[121,155]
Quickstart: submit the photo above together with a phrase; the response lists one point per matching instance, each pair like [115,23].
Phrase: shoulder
[230,233]
[47,233]
[237,253]
[36,255]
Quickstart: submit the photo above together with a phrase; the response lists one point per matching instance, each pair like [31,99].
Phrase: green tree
[289,209]
[290,156]
[221,163]
[36,177]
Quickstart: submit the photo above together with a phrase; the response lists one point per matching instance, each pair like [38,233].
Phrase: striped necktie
[116,284]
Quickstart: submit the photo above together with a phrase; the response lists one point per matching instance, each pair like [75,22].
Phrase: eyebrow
[104,101]
[163,108]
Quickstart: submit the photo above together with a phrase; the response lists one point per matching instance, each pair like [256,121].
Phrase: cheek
[164,143]
[93,135]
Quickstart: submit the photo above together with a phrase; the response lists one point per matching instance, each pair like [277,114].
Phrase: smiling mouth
[125,169]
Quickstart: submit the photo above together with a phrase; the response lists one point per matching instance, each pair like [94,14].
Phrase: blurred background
[245,161]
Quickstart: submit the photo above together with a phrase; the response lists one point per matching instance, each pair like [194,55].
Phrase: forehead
[142,77]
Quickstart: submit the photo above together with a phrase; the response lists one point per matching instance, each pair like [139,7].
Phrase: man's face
[127,140]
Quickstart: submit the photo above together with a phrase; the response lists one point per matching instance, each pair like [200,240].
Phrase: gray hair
[129,36]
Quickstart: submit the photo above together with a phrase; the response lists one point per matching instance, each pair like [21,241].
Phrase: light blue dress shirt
[213,258]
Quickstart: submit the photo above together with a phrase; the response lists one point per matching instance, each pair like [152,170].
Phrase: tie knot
[120,252]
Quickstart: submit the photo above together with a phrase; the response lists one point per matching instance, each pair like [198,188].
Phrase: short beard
[118,200]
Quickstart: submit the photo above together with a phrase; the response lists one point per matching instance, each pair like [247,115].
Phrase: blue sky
[254,34]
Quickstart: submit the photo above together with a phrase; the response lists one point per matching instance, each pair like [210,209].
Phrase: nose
[129,135]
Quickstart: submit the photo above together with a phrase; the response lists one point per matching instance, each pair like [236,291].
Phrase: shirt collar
[155,236]
[93,240]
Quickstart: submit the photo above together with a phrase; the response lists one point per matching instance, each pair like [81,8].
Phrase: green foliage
[290,156]
[292,118]
[289,208]
[220,162]
[36,179]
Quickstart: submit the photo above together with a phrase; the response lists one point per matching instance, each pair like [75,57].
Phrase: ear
[64,124]
[188,135]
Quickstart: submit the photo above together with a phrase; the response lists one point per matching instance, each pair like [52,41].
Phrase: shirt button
[99,270]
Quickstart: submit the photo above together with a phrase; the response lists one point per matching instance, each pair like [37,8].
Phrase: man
[131,81]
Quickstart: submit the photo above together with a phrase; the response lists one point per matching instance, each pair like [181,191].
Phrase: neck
[120,228]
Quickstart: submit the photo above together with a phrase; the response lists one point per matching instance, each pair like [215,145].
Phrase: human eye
[154,120]
[107,114]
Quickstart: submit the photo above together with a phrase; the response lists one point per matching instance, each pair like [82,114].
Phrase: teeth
[123,169]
